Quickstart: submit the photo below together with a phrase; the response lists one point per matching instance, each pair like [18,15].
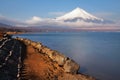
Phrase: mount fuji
[78,15]
[77,18]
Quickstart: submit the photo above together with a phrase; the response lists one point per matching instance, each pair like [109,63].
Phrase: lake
[98,53]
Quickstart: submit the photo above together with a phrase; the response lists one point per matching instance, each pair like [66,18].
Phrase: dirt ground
[1,35]
[39,66]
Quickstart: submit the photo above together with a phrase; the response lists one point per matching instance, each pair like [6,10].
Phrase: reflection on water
[98,53]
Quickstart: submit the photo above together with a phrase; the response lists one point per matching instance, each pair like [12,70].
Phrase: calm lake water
[98,53]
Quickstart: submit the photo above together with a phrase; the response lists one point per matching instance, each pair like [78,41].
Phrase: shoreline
[68,67]
[43,63]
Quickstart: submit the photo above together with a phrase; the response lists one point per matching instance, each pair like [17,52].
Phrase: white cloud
[52,23]
[34,20]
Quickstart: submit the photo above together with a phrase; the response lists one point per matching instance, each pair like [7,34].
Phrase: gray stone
[59,58]
[71,66]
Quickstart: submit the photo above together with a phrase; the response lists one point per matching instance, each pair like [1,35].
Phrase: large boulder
[38,46]
[59,58]
[55,56]
[27,41]
[33,43]
[46,50]
[71,66]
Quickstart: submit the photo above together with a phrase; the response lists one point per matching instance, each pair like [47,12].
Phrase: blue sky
[25,9]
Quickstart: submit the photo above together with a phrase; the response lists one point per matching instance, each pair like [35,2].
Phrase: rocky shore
[31,60]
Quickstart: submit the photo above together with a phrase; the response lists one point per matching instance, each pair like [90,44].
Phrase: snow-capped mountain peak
[78,14]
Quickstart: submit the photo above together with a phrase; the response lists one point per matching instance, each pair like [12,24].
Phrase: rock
[7,36]
[71,66]
[38,46]
[75,77]
[55,56]
[59,58]
[33,44]
[47,51]
[27,41]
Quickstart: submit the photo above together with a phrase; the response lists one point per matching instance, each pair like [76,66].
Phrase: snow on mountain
[77,15]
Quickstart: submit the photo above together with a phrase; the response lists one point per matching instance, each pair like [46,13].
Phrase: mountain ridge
[79,14]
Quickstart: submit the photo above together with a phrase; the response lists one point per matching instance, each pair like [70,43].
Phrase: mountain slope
[79,14]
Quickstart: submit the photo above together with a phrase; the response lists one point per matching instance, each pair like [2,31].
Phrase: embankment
[23,59]
[53,64]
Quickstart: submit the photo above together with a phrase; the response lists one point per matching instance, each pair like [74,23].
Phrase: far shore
[11,33]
